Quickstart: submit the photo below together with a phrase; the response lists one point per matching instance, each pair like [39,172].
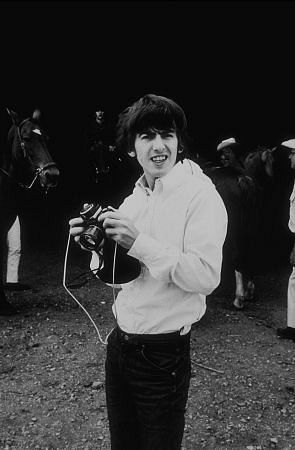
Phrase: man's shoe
[16,286]
[286,333]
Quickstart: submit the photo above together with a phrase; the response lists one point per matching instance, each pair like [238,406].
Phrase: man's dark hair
[151,111]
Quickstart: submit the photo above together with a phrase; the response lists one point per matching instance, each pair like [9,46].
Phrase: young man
[289,331]
[175,224]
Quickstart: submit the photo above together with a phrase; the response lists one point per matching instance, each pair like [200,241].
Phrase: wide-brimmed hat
[230,142]
[290,144]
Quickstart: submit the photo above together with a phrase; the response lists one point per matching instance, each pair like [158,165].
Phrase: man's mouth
[159,158]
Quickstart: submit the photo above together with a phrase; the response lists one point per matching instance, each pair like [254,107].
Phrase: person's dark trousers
[147,382]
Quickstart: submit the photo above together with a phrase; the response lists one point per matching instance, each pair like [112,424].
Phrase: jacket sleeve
[291,222]
[196,267]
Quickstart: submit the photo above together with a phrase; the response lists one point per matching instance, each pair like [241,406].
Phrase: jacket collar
[174,178]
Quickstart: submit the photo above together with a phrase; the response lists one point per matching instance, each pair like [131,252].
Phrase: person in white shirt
[174,223]
[289,331]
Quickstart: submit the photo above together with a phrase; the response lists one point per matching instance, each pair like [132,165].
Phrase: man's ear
[132,153]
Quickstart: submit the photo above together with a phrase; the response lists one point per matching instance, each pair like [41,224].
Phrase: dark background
[228,64]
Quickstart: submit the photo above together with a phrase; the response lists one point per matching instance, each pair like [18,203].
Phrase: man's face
[99,116]
[156,152]
[292,158]
[227,157]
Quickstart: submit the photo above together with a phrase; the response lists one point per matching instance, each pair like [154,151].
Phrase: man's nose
[158,143]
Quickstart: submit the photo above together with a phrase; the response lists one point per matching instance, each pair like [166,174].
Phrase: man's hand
[119,228]
[76,228]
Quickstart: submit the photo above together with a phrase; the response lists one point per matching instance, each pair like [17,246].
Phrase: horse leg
[6,309]
[250,290]
[239,301]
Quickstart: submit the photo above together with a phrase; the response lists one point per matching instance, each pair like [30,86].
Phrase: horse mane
[11,132]
[248,189]
[10,135]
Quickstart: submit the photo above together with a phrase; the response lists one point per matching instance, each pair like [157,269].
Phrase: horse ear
[36,114]
[264,155]
[13,115]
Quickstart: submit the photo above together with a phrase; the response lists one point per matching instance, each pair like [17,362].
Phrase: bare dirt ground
[242,393]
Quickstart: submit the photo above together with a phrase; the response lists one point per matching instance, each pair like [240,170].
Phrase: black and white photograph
[147,217]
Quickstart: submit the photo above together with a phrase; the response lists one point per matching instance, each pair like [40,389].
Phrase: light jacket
[182,225]
[291,223]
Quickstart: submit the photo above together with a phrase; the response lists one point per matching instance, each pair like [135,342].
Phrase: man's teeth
[158,158]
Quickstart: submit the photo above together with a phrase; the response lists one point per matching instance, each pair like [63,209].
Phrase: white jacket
[182,225]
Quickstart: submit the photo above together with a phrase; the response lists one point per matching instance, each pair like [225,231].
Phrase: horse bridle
[26,154]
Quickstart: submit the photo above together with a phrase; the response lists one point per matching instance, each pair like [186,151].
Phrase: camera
[125,268]
[94,234]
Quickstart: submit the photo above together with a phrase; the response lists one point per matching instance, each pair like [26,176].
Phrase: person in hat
[174,223]
[231,154]
[289,331]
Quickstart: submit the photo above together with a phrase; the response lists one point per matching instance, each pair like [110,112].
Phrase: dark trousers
[147,382]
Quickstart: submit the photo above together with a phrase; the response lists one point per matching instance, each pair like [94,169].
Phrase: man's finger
[75,221]
[109,214]
[111,223]
[76,231]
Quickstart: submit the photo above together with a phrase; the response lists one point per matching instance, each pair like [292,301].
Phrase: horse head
[27,154]
[259,163]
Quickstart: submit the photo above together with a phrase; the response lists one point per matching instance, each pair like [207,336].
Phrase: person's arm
[291,224]
[198,267]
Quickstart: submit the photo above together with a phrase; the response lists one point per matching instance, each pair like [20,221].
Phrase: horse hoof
[250,295]
[6,309]
[239,303]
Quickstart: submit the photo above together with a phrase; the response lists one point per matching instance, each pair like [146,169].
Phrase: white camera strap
[104,342]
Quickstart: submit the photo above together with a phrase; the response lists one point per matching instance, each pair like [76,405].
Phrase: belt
[163,338]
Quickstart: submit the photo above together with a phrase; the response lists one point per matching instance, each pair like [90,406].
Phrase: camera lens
[92,237]
[88,241]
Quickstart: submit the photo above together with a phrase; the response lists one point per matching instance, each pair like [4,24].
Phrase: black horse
[245,190]
[25,161]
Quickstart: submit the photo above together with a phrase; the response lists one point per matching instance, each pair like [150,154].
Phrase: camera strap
[103,341]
